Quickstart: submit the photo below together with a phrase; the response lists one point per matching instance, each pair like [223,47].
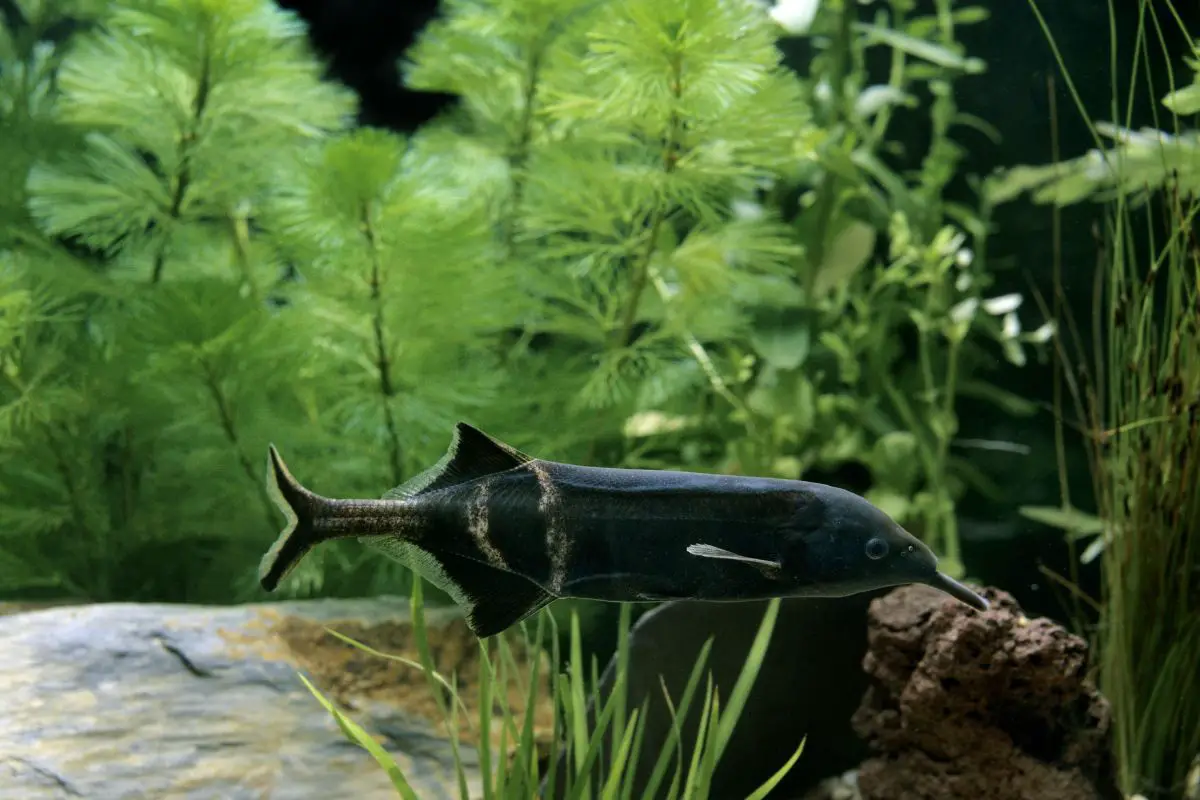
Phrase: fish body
[505,534]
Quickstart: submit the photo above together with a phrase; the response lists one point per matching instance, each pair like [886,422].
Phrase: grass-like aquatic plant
[1140,403]
[602,741]
[1146,413]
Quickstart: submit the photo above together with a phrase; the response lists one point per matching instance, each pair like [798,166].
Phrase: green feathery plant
[31,35]
[602,745]
[1140,403]
[637,223]
[643,159]
[402,305]
[140,459]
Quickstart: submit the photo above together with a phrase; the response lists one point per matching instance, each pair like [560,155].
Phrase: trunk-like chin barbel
[958,591]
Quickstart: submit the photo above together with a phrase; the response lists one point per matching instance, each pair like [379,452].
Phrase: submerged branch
[827,194]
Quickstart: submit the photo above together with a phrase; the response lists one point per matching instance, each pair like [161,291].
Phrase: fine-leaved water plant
[639,238]
[1139,404]
[700,226]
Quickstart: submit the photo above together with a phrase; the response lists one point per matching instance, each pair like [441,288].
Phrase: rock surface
[967,704]
[135,701]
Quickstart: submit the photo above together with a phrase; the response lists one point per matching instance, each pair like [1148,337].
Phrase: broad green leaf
[849,252]
[784,348]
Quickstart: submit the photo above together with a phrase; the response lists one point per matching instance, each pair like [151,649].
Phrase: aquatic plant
[645,159]
[636,223]
[1141,406]
[602,743]
[128,424]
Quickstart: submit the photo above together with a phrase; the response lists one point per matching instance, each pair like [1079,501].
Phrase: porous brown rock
[967,704]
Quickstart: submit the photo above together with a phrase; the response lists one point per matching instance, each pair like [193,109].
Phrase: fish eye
[876,549]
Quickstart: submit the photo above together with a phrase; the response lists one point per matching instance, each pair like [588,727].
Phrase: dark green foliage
[638,239]
[142,460]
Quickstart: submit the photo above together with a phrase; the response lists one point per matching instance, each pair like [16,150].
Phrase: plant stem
[827,194]
[658,215]
[519,156]
[229,427]
[640,273]
[78,511]
[240,230]
[74,497]
[383,364]
[895,81]
[183,178]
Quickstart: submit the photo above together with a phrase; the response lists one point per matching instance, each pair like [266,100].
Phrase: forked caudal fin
[299,505]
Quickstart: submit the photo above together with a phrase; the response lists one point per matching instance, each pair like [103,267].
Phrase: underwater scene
[600,399]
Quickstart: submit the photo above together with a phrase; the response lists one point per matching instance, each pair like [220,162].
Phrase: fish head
[844,545]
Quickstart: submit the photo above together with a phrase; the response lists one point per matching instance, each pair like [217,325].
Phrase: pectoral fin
[709,551]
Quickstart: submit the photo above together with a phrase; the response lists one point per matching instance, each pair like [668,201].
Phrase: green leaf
[892,503]
[747,677]
[1010,402]
[934,53]
[783,347]
[849,252]
[1066,518]
[1184,101]
[952,567]
[763,791]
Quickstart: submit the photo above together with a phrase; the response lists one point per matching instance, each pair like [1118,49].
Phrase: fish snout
[958,591]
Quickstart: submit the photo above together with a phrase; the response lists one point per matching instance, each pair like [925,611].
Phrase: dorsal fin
[472,454]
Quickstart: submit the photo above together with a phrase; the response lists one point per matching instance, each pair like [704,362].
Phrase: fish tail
[301,508]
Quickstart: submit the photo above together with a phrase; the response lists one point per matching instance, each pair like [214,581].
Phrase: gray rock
[154,701]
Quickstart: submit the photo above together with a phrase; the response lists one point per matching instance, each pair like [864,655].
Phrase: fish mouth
[958,591]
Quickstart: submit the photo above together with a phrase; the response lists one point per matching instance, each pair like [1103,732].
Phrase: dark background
[364,40]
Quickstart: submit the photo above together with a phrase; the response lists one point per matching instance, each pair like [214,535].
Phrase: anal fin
[492,599]
[624,587]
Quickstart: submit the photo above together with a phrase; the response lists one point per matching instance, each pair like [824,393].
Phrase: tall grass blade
[749,674]
[675,737]
[421,637]
[355,733]
[769,785]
